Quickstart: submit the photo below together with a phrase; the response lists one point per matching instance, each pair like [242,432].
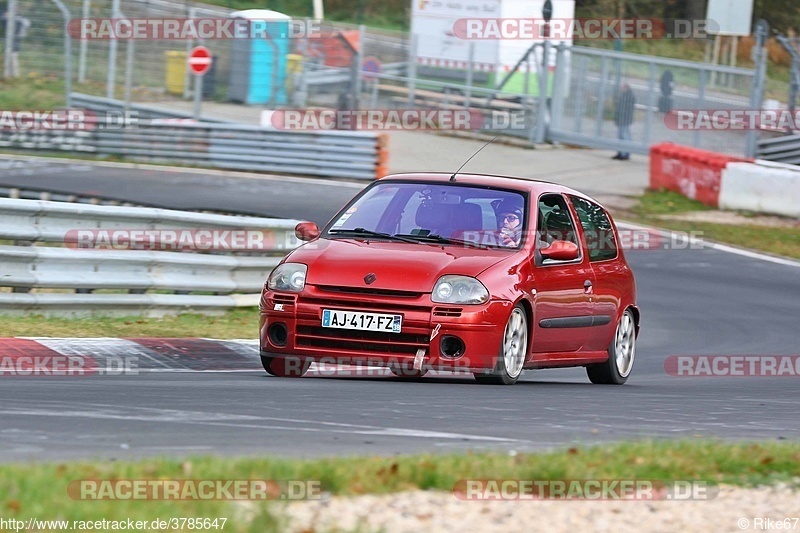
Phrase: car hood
[396,265]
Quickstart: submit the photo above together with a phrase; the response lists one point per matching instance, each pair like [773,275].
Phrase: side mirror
[561,251]
[306,231]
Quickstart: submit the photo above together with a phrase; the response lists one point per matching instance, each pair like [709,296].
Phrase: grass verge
[240,323]
[41,489]
[653,205]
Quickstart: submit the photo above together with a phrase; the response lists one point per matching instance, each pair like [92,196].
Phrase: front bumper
[425,324]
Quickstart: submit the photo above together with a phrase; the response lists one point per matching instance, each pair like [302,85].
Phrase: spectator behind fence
[21,25]
[623,117]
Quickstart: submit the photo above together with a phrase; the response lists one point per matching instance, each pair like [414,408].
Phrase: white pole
[112,55]
[10,27]
[319,10]
[84,44]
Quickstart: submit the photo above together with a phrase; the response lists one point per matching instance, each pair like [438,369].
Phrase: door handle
[587,285]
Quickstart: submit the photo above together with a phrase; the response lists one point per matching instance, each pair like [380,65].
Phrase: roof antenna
[453,177]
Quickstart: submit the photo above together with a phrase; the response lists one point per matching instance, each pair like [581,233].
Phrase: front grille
[373,292]
[447,311]
[361,341]
[363,305]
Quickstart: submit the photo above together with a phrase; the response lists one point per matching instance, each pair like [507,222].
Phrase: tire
[621,353]
[408,373]
[285,367]
[513,350]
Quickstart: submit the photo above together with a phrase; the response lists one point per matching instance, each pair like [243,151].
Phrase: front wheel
[621,353]
[513,351]
[285,367]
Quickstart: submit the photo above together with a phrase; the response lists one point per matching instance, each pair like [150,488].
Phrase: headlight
[459,290]
[288,277]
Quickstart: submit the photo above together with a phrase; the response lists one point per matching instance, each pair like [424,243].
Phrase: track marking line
[715,245]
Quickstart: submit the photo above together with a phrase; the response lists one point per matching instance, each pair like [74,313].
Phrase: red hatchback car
[485,274]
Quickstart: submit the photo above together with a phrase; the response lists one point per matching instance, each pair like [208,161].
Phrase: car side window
[554,223]
[597,228]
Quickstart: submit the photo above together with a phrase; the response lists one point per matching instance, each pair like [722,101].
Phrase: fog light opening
[452,347]
[278,334]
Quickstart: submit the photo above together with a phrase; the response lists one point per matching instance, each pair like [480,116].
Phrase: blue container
[259,65]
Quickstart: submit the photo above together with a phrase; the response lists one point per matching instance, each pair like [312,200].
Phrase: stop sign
[200,60]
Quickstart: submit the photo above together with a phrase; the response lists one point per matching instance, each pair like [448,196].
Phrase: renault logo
[370,278]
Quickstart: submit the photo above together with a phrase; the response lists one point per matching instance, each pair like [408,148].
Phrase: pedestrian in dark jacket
[623,117]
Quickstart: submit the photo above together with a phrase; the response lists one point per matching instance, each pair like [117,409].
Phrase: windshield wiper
[363,232]
[438,239]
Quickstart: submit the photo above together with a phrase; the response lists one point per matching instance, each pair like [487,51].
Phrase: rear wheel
[512,354]
[285,367]
[621,354]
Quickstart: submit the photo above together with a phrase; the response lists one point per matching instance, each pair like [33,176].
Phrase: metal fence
[55,279]
[590,82]
[575,104]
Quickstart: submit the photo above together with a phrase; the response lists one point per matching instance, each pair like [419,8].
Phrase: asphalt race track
[190,189]
[706,301]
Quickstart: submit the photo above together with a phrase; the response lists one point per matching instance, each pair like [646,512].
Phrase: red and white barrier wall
[725,181]
[762,186]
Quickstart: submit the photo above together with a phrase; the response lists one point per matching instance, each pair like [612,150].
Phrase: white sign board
[433,21]
[729,17]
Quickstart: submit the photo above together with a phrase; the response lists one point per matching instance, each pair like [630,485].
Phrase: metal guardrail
[784,149]
[144,112]
[345,154]
[41,278]
[321,75]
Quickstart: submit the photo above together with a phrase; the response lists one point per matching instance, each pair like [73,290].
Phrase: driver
[510,223]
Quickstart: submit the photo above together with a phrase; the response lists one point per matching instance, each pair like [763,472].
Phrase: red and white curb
[113,356]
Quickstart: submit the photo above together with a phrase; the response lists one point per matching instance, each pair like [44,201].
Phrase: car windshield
[438,213]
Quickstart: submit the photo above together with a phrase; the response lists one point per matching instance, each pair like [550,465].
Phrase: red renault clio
[485,274]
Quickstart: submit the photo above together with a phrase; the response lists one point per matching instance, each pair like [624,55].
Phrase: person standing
[21,26]
[623,118]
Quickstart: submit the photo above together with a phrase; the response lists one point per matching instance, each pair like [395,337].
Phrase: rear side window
[597,228]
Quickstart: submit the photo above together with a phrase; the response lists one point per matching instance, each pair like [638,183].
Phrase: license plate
[362,321]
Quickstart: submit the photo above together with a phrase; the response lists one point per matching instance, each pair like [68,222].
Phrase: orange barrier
[695,173]
[382,166]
